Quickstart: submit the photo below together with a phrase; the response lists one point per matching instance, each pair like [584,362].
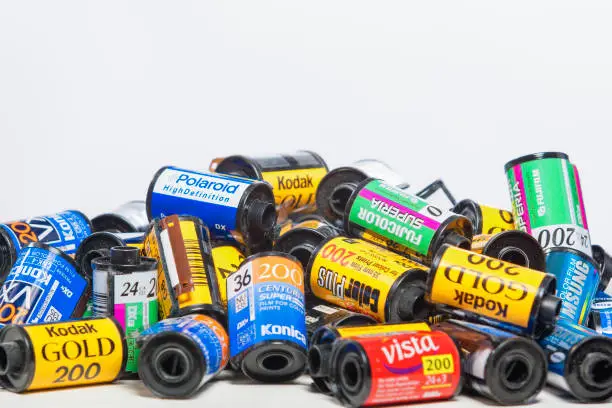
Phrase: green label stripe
[138,317]
[396,215]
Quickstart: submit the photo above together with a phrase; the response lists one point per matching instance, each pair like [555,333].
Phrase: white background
[96,96]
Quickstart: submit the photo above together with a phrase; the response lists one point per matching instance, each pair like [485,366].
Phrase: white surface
[227,391]
[96,96]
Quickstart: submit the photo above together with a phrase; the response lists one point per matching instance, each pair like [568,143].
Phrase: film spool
[304,238]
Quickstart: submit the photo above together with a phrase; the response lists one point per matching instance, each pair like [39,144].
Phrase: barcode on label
[242,301]
[100,304]
[195,259]
[53,315]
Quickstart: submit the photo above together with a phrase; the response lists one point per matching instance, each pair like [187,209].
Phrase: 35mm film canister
[323,339]
[579,361]
[186,278]
[406,367]
[44,285]
[402,222]
[294,177]
[125,287]
[57,355]
[365,278]
[64,231]
[129,217]
[266,317]
[181,354]
[233,208]
[547,202]
[508,296]
[499,365]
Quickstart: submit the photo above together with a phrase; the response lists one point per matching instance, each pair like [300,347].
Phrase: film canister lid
[595,370]
[413,305]
[319,357]
[124,256]
[125,259]
[550,307]
[12,357]
[454,239]
[263,214]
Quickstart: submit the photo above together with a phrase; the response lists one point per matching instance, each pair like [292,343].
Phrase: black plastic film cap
[413,305]
[549,309]
[596,370]
[125,255]
[12,357]
[262,214]
[458,240]
[319,357]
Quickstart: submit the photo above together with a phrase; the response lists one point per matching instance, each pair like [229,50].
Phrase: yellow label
[295,189]
[392,246]
[227,259]
[479,242]
[487,286]
[495,220]
[438,364]
[284,227]
[75,353]
[346,332]
[195,263]
[138,245]
[357,275]
[150,248]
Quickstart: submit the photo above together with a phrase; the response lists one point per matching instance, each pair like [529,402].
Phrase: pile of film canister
[276,267]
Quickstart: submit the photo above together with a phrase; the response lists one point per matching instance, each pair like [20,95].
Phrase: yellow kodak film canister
[56,355]
[501,294]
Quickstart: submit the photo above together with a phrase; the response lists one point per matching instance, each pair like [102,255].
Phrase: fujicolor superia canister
[403,222]
[547,202]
